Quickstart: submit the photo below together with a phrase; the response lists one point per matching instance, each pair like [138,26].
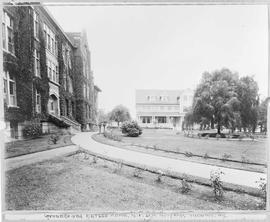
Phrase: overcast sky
[167,47]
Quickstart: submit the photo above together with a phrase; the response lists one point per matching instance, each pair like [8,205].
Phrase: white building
[162,108]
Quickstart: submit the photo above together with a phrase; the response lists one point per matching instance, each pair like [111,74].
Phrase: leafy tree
[262,116]
[247,91]
[119,114]
[215,98]
[189,119]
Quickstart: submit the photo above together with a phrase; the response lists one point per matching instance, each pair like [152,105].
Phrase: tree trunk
[212,124]
[218,129]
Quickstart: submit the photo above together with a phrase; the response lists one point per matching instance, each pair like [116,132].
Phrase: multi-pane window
[50,40]
[38,102]
[53,72]
[161,119]
[36,26]
[10,89]
[37,62]
[8,33]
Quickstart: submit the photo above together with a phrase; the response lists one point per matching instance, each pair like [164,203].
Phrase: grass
[185,156]
[75,183]
[167,139]
[22,147]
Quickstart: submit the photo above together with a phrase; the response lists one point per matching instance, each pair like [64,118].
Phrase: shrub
[131,128]
[216,184]
[54,138]
[160,174]
[119,166]
[188,154]
[244,159]
[112,136]
[206,156]
[94,159]
[262,186]
[137,172]
[226,156]
[32,130]
[185,186]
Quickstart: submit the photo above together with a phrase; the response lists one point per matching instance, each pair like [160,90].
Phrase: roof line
[56,23]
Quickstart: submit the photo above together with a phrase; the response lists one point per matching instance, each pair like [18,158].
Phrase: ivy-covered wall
[22,67]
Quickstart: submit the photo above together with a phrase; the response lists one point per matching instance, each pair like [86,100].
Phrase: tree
[247,91]
[119,114]
[215,98]
[262,116]
[189,119]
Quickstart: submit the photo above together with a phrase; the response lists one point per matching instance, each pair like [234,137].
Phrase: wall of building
[29,63]
[162,108]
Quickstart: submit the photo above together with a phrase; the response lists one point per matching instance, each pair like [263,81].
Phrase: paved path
[234,176]
[16,162]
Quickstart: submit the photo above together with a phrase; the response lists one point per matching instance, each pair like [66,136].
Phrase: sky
[167,47]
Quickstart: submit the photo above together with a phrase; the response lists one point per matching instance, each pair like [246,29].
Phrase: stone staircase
[55,122]
[74,125]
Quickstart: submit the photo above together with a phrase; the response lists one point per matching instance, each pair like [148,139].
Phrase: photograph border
[192,215]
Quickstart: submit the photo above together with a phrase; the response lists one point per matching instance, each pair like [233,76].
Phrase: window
[57,74]
[38,102]
[146,119]
[37,62]
[48,41]
[56,48]
[8,33]
[49,70]
[45,35]
[10,89]
[185,98]
[161,119]
[36,26]
[52,106]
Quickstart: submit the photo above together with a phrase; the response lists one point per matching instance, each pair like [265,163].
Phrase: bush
[216,183]
[188,154]
[131,128]
[160,174]
[54,138]
[111,136]
[226,156]
[206,156]
[186,186]
[137,172]
[32,130]
[262,186]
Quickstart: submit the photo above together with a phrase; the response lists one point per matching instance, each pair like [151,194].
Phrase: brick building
[46,73]
[162,108]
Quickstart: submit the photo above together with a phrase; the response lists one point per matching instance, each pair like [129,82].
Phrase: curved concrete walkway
[234,176]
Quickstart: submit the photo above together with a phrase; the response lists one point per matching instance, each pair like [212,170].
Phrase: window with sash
[10,89]
[37,62]
[8,33]
[38,102]
[36,25]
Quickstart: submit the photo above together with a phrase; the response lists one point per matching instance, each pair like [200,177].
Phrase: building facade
[41,74]
[162,108]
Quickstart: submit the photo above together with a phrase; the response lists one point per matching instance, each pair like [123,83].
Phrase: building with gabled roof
[162,108]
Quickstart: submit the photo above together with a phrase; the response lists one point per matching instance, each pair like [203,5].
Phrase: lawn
[254,151]
[76,183]
[21,147]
